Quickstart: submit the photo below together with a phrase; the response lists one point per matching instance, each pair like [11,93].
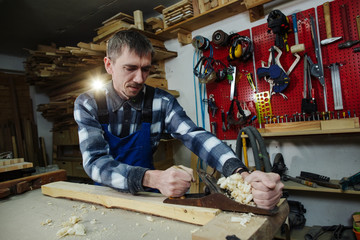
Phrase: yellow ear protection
[206,73]
[241,47]
[235,50]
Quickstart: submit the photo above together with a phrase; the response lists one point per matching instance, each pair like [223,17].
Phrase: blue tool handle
[295,23]
[295,28]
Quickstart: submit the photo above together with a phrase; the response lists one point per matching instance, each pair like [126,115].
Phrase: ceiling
[27,23]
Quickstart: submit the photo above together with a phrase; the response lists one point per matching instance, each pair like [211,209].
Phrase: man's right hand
[173,182]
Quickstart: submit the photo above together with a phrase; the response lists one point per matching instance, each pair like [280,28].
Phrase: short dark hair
[134,40]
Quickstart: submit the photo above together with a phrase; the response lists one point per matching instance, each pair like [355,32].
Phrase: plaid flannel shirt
[168,117]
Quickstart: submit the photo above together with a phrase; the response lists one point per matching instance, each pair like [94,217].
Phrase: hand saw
[216,198]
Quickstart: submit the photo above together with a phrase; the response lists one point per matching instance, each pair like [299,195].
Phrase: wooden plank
[6,162]
[157,82]
[259,227]
[254,3]
[216,14]
[34,182]
[196,10]
[17,120]
[120,16]
[293,126]
[149,203]
[342,123]
[16,166]
[138,19]
[117,24]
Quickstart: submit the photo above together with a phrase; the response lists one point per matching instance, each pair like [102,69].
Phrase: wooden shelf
[318,127]
[212,16]
[311,132]
[290,185]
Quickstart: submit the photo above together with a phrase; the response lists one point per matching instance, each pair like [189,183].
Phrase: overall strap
[146,115]
[103,112]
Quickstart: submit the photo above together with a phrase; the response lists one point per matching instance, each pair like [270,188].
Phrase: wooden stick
[149,203]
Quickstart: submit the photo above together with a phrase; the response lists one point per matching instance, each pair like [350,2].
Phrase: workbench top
[33,215]
[22,217]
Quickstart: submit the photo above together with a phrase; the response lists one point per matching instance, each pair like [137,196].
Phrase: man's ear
[108,65]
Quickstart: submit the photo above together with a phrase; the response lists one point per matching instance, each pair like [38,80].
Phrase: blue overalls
[134,149]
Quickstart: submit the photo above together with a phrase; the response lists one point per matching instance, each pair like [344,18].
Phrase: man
[121,126]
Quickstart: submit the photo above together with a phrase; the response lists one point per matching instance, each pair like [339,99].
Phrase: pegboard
[263,41]
[221,90]
[350,61]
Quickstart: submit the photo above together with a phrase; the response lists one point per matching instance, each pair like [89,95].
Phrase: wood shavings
[47,222]
[243,218]
[237,189]
[194,230]
[72,227]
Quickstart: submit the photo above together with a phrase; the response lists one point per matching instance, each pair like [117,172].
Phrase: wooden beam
[183,35]
[17,120]
[254,3]
[149,203]
[159,8]
[256,13]
[138,19]
[24,184]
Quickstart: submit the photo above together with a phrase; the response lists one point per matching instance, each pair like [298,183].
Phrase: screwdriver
[223,120]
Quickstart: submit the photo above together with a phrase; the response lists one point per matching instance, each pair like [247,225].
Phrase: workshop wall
[333,155]
[16,64]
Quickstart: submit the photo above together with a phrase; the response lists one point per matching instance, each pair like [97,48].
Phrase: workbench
[33,215]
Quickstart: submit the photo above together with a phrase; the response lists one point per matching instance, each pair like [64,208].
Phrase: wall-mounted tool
[345,25]
[223,120]
[220,38]
[336,86]
[241,48]
[298,180]
[204,70]
[308,103]
[317,69]
[279,24]
[297,47]
[327,17]
[275,74]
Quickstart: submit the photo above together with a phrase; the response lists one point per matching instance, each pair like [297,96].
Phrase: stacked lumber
[202,6]
[120,21]
[43,65]
[7,165]
[177,12]
[60,113]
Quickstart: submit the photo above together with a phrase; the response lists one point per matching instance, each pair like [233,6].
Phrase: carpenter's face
[129,72]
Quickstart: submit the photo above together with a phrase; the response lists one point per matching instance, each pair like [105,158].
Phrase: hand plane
[215,197]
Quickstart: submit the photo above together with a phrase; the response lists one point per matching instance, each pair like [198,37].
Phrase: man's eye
[146,70]
[130,69]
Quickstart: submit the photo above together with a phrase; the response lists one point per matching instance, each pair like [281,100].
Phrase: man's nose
[140,77]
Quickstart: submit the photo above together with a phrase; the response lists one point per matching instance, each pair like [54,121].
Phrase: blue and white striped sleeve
[201,142]
[97,162]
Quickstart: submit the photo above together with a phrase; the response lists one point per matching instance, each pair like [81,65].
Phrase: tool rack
[349,73]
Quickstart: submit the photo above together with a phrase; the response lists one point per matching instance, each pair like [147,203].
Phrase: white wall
[333,155]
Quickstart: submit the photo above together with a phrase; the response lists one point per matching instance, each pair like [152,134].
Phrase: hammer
[348,43]
[329,39]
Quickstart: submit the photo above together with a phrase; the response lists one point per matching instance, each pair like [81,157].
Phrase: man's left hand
[266,188]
